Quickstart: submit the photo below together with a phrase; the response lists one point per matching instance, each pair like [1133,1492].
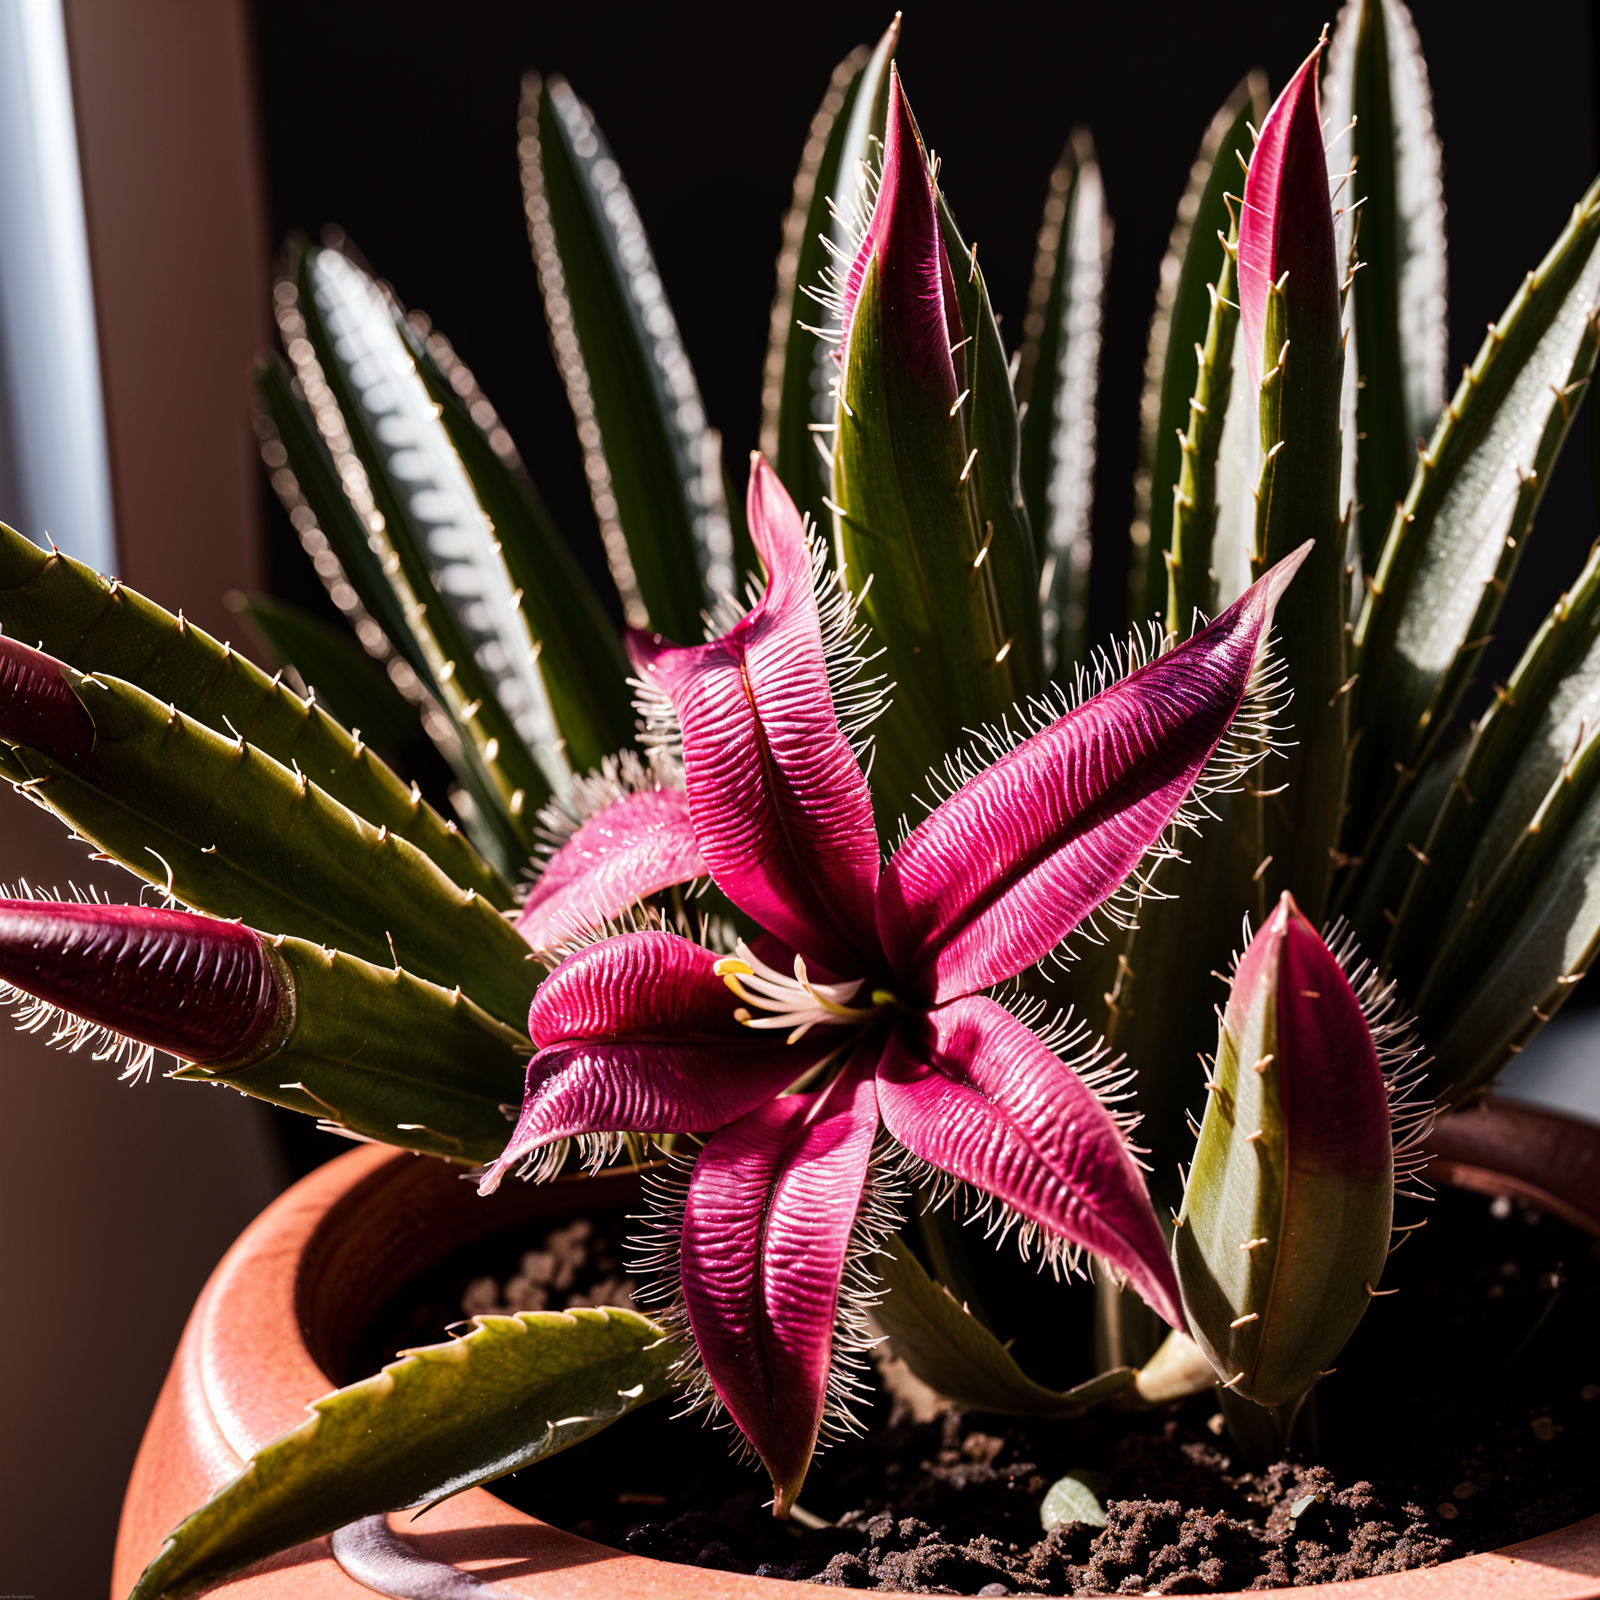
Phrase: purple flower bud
[203,989]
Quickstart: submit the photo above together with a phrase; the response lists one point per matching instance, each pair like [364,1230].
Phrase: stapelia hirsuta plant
[855,1038]
[868,1004]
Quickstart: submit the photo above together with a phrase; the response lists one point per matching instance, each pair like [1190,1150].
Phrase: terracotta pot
[275,1326]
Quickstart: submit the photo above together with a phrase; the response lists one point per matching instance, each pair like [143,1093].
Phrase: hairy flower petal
[1019,856]
[637,986]
[639,845]
[39,710]
[974,1092]
[780,807]
[766,1233]
[1286,221]
[639,1033]
[203,989]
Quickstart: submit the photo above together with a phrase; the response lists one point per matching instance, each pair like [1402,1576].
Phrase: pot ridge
[274,1328]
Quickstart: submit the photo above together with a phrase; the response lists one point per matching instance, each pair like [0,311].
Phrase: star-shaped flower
[867,1010]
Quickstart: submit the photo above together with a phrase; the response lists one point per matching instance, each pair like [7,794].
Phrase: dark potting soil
[1463,1415]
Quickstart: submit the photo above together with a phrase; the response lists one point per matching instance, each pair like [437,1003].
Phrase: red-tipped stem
[1286,224]
[203,989]
[38,709]
[921,322]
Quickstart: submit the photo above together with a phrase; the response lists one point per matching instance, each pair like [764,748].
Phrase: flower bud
[1287,1214]
[203,989]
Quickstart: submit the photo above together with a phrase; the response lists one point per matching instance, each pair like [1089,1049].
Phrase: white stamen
[794,1003]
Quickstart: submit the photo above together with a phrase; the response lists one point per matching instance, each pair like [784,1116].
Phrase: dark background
[399,126]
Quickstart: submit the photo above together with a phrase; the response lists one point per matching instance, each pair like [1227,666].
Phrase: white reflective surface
[54,477]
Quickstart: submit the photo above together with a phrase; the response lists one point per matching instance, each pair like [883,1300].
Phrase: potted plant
[809,1034]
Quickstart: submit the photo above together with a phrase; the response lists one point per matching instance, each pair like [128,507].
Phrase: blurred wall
[116,1200]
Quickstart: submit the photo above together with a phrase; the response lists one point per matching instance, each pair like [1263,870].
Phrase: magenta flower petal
[37,708]
[1018,857]
[921,321]
[639,845]
[1286,224]
[974,1092]
[771,1206]
[780,807]
[203,989]
[635,986]
[638,1033]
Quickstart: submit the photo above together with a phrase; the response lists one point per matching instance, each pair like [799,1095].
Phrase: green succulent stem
[1474,944]
[1057,371]
[1453,537]
[101,626]
[793,408]
[228,830]
[520,785]
[1494,753]
[1009,571]
[311,489]
[1262,1434]
[1298,498]
[1385,459]
[909,521]
[581,660]
[1184,315]
[1191,584]
[383,1055]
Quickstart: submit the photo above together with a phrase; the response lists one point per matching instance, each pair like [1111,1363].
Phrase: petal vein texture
[976,1093]
[638,1033]
[779,805]
[1013,861]
[638,846]
[771,1206]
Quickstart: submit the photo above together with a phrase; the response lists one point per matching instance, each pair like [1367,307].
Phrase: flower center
[795,1003]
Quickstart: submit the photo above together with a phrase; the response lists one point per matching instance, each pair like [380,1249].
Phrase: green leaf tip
[513,1391]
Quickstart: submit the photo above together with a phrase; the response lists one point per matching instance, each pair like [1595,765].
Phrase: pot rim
[264,1336]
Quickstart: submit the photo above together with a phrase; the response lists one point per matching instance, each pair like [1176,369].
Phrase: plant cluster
[811,834]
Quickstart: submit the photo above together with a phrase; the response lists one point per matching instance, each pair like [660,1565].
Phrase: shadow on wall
[116,1200]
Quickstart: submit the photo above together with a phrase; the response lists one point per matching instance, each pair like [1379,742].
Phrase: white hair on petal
[654,1256]
[1110,1081]
[858,701]
[852,212]
[546,1161]
[1254,733]
[1400,1055]
[596,791]
[67,1030]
